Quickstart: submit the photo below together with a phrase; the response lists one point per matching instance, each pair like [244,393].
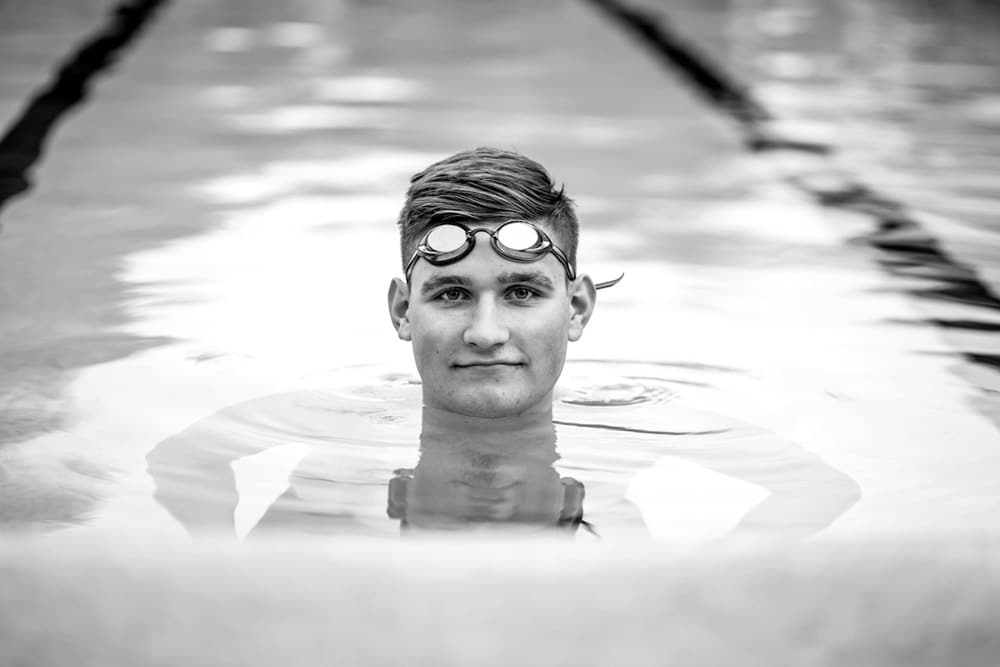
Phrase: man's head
[486,185]
[489,332]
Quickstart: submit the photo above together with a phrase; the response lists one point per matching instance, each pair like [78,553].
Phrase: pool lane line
[706,76]
[905,247]
[23,144]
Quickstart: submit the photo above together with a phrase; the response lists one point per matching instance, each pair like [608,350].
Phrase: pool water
[650,462]
[194,331]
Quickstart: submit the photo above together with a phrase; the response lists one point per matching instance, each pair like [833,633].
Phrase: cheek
[425,347]
[430,339]
[548,337]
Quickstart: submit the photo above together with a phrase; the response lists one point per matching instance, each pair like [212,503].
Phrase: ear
[582,299]
[399,306]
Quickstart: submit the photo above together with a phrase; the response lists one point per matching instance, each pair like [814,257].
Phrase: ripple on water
[614,395]
[616,422]
[641,397]
[588,383]
[629,391]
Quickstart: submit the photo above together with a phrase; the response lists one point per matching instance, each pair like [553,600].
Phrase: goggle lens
[446,238]
[518,236]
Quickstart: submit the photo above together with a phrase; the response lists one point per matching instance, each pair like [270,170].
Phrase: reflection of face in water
[477,473]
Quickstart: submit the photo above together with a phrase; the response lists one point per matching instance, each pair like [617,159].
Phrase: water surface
[758,373]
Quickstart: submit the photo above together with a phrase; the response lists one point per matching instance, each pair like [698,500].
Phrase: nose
[486,329]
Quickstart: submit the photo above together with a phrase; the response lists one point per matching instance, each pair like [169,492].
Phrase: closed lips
[488,363]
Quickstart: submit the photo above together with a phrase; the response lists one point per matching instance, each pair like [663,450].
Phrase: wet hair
[486,185]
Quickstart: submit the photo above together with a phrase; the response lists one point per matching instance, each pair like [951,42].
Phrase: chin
[489,404]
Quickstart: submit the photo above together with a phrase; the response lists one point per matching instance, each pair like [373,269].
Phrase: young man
[491,296]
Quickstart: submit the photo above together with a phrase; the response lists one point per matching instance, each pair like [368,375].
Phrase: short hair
[488,185]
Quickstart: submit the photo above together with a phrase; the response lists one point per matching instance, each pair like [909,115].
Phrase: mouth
[490,364]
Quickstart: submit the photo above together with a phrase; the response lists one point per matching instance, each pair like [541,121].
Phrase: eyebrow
[529,277]
[437,282]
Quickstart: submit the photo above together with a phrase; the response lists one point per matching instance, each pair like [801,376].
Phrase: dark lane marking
[709,79]
[24,143]
[962,325]
[905,247]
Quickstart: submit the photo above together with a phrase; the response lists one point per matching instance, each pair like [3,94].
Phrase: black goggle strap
[609,283]
[561,256]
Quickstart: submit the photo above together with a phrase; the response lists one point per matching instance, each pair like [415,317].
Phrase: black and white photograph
[499,332]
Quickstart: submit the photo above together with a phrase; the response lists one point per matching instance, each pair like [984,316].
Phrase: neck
[531,434]
[530,419]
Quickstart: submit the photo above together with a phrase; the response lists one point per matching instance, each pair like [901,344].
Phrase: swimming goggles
[516,240]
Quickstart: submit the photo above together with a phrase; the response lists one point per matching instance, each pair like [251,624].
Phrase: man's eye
[451,295]
[522,293]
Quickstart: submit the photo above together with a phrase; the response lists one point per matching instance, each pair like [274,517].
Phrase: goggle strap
[609,283]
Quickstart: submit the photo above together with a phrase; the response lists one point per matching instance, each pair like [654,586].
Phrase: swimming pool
[783,419]
[180,263]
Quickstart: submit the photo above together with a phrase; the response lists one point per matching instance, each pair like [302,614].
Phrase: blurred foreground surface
[496,604]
